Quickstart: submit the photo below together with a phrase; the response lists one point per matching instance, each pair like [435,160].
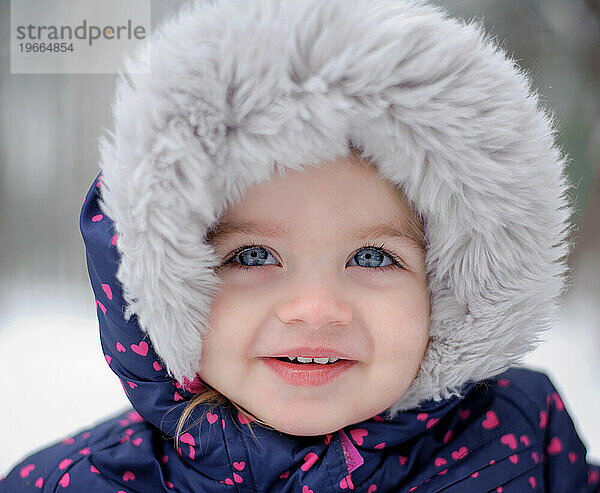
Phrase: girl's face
[302,270]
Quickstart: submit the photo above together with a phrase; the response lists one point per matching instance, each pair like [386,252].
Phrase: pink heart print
[439,461]
[464,413]
[346,483]
[239,465]
[237,478]
[102,307]
[107,291]
[39,482]
[128,476]
[120,347]
[309,460]
[156,366]
[97,217]
[490,421]
[212,418]
[65,480]
[510,440]
[422,416]
[460,453]
[187,438]
[358,434]
[64,464]
[514,458]
[543,419]
[94,470]
[372,488]
[448,436]
[26,470]
[141,348]
[306,489]
[555,446]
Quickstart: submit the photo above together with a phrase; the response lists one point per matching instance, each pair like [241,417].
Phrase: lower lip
[308,373]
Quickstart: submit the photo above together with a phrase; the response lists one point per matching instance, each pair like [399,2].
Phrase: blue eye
[371,258]
[252,256]
[368,256]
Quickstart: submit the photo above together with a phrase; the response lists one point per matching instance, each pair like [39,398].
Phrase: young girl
[323,235]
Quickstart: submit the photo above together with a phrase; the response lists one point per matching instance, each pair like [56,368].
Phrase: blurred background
[53,377]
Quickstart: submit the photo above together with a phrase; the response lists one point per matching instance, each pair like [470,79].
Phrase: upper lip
[313,352]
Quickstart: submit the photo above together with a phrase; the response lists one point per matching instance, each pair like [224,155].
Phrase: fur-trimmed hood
[237,90]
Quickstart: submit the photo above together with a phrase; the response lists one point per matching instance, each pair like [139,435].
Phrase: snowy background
[54,379]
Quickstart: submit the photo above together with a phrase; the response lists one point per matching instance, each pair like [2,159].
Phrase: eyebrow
[224,230]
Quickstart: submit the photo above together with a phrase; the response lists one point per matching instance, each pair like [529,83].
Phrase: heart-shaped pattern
[543,419]
[555,446]
[346,483]
[157,366]
[372,488]
[532,481]
[422,416]
[525,440]
[510,440]
[460,453]
[440,461]
[237,478]
[128,476]
[63,464]
[141,348]
[239,465]
[358,434]
[65,480]
[39,482]
[464,413]
[285,475]
[101,306]
[188,439]
[107,291]
[24,472]
[490,421]
[306,489]
[212,418]
[94,470]
[448,436]
[309,460]
[572,457]
[514,458]
[120,347]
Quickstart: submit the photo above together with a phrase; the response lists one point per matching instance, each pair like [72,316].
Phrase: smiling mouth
[332,361]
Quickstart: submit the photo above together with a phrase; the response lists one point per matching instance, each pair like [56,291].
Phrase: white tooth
[333,360]
[302,359]
[321,361]
[291,358]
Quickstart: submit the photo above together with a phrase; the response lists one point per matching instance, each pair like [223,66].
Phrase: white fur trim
[241,89]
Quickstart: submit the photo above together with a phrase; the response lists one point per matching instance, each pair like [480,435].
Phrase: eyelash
[397,262]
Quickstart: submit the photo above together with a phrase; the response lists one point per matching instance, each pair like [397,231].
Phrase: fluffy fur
[238,90]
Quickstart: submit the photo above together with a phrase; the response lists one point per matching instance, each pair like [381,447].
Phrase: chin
[308,429]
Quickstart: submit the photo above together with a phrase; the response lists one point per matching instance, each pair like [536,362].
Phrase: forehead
[339,196]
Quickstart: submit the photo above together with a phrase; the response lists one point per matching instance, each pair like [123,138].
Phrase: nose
[315,307]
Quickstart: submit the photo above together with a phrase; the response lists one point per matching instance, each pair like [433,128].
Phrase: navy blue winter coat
[510,434]
[231,91]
